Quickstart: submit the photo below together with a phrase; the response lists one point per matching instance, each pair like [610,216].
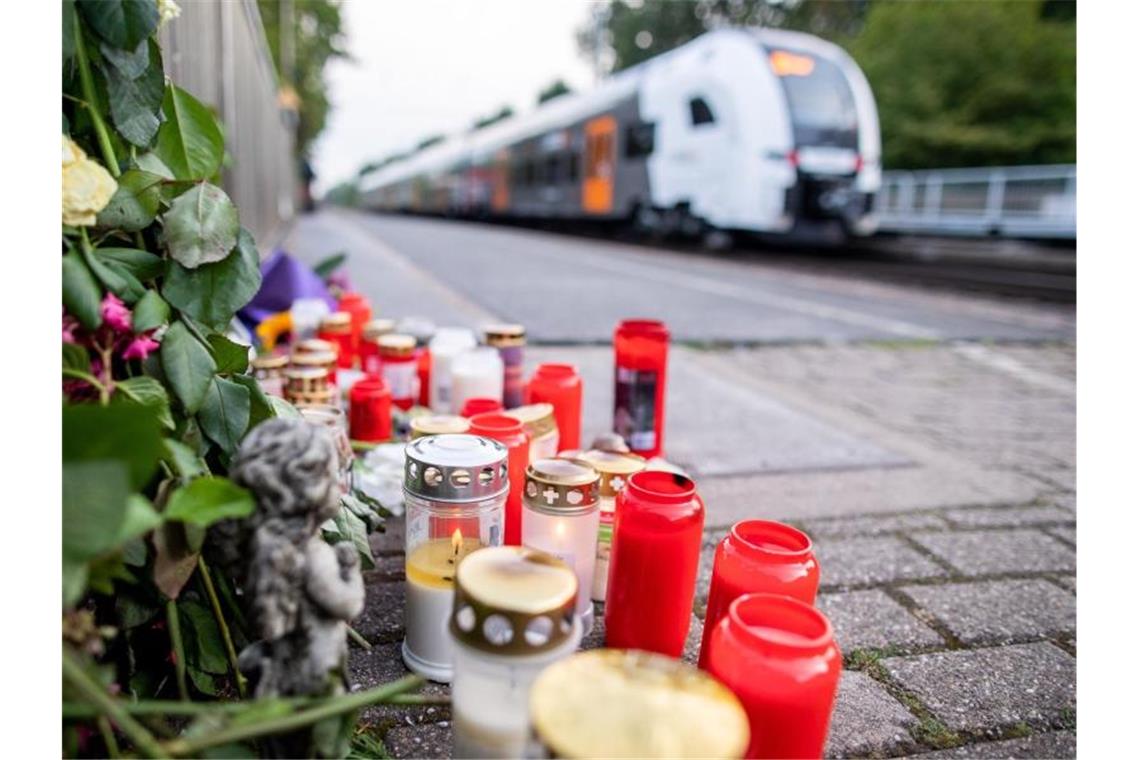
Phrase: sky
[430,66]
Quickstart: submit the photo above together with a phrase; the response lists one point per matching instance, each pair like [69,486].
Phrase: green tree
[505,112]
[555,89]
[318,37]
[1000,91]
[427,142]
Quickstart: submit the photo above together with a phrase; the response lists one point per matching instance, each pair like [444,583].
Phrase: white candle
[447,343]
[574,540]
[477,373]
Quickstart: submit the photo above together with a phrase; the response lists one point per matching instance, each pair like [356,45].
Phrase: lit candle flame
[456,541]
[560,528]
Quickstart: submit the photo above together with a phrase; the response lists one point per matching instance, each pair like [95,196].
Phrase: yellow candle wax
[433,563]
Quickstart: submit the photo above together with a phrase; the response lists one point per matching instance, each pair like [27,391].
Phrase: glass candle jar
[438,424]
[269,371]
[477,373]
[474,406]
[559,385]
[778,655]
[616,703]
[369,351]
[641,353]
[370,410]
[560,516]
[445,345]
[658,520]
[613,470]
[513,616]
[360,311]
[398,367]
[308,385]
[509,432]
[759,556]
[423,374]
[336,328]
[316,353]
[455,487]
[332,418]
[510,341]
[538,422]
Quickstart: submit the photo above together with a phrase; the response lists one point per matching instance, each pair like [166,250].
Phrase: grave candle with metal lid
[653,562]
[369,350]
[269,370]
[618,703]
[509,432]
[423,330]
[613,469]
[759,556]
[336,328]
[308,385]
[438,424]
[559,385]
[513,616]
[332,418]
[477,373]
[509,340]
[641,354]
[455,487]
[314,352]
[538,421]
[370,410]
[398,366]
[560,516]
[778,655]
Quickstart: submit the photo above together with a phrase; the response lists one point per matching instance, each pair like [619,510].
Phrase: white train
[758,131]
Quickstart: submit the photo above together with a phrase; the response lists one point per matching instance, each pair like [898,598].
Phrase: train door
[598,180]
[501,189]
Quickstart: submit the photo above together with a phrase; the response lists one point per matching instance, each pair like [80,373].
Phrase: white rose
[87,186]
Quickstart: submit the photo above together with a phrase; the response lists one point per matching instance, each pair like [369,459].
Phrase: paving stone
[596,639]
[383,617]
[391,540]
[1068,581]
[867,720]
[433,740]
[872,525]
[382,664]
[1008,517]
[872,619]
[999,611]
[389,567]
[985,689]
[1067,533]
[854,561]
[1000,551]
[1055,744]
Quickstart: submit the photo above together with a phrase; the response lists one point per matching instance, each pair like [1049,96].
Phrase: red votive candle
[759,556]
[423,374]
[641,353]
[658,518]
[360,311]
[509,432]
[473,406]
[560,386]
[336,328]
[370,410]
[778,655]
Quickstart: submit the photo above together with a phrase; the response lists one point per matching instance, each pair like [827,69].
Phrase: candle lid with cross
[455,468]
[614,468]
[561,487]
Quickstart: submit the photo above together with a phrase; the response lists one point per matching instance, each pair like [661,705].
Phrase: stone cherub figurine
[301,591]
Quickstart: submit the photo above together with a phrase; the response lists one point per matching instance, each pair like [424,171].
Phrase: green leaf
[183,459]
[132,610]
[260,408]
[188,366]
[129,63]
[94,505]
[204,682]
[76,357]
[212,293]
[282,408]
[149,162]
[136,104]
[352,528]
[140,518]
[231,357]
[224,415]
[206,650]
[149,392]
[150,312]
[81,293]
[189,142]
[330,265]
[74,581]
[135,203]
[142,264]
[122,23]
[201,226]
[115,277]
[121,433]
[68,29]
[206,500]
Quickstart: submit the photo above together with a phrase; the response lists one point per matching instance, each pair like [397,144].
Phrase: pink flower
[139,347]
[116,314]
[70,325]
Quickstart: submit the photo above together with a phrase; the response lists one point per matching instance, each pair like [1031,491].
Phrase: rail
[218,52]
[1006,201]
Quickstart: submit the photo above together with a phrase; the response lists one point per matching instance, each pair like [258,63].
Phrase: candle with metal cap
[613,470]
[455,487]
[513,616]
[560,516]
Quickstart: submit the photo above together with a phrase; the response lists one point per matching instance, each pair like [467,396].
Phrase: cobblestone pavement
[950,579]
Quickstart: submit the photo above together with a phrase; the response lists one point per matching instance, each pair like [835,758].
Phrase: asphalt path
[569,289]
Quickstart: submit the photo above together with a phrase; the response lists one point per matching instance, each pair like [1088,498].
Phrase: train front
[835,150]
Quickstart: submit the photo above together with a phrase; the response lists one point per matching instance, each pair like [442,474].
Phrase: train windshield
[819,97]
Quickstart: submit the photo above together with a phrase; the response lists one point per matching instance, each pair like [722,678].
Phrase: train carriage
[764,131]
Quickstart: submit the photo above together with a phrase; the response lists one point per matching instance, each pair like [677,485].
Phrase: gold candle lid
[515,601]
[337,322]
[396,344]
[537,419]
[610,442]
[628,703]
[375,328]
[313,346]
[501,336]
[439,424]
[614,468]
[270,361]
[325,359]
[561,486]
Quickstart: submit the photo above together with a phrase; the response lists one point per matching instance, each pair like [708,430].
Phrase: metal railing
[217,51]
[1008,201]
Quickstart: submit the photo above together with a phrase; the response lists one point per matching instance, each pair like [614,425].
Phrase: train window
[700,112]
[573,166]
[553,169]
[639,139]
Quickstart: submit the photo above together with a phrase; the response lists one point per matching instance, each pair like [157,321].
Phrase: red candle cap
[653,328]
[556,370]
[369,383]
[661,485]
[474,406]
[771,540]
[775,621]
[494,424]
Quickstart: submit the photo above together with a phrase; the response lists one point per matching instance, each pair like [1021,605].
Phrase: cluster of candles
[514,531]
